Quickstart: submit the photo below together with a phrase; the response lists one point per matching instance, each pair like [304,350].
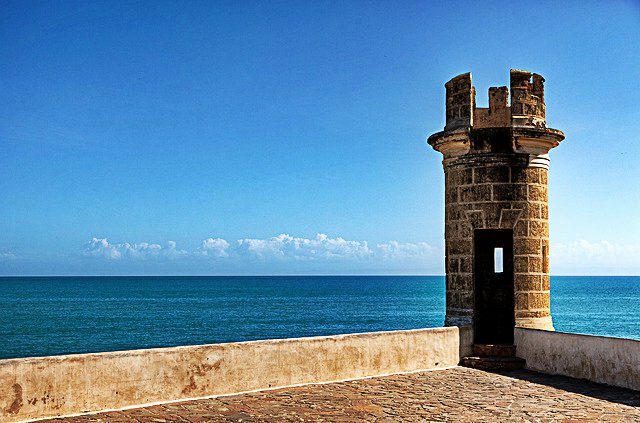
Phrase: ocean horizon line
[283,275]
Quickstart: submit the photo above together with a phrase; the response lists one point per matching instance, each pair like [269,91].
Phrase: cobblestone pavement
[458,395]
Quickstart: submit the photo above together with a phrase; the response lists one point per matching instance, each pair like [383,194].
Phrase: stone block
[462,282]
[544,211]
[476,218]
[521,229]
[543,175]
[453,212]
[527,282]
[483,175]
[464,229]
[535,264]
[508,218]
[509,192]
[453,299]
[545,282]
[525,175]
[458,229]
[545,256]
[538,193]
[466,264]
[492,211]
[467,299]
[532,300]
[451,195]
[475,193]
[527,314]
[538,228]
[537,211]
[456,177]
[521,264]
[464,177]
[526,246]
[452,265]
[460,246]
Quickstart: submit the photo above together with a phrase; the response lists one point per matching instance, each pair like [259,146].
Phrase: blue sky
[289,137]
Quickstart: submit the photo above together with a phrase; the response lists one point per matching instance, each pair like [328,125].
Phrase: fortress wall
[62,385]
[613,361]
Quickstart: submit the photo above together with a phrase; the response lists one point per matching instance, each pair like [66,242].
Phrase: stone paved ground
[459,395]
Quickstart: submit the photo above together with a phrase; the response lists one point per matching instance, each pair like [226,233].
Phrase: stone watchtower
[496,214]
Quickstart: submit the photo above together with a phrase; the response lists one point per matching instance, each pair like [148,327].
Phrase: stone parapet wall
[63,385]
[612,361]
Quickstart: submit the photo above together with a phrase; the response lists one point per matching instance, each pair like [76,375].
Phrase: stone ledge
[613,361]
[61,385]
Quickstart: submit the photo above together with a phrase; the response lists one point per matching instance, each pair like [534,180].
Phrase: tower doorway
[494,286]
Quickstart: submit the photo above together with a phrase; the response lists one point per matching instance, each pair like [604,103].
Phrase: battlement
[527,103]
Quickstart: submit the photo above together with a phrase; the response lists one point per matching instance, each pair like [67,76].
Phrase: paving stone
[453,395]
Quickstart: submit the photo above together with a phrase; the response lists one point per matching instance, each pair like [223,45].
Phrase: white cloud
[580,257]
[6,255]
[285,247]
[101,248]
[603,255]
[280,248]
[395,250]
[214,247]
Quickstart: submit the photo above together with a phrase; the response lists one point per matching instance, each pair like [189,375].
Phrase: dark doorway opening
[493,282]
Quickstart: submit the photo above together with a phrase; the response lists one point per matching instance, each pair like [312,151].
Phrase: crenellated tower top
[521,124]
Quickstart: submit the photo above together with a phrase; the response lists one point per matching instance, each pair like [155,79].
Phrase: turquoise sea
[60,315]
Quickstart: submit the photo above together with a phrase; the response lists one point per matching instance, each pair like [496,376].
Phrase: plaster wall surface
[62,385]
[612,361]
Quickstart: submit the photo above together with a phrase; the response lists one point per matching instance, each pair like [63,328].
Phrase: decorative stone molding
[451,144]
[536,143]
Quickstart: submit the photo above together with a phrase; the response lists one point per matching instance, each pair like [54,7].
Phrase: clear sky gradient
[188,137]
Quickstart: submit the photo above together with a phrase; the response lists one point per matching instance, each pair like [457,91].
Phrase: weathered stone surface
[475,193]
[459,177]
[59,385]
[509,218]
[460,102]
[528,175]
[521,229]
[459,246]
[537,193]
[528,314]
[453,395]
[521,264]
[509,192]
[527,245]
[495,163]
[462,282]
[490,174]
[527,282]
[545,281]
[532,300]
[535,264]
[601,359]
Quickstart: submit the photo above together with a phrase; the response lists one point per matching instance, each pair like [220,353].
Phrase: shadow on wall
[601,359]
